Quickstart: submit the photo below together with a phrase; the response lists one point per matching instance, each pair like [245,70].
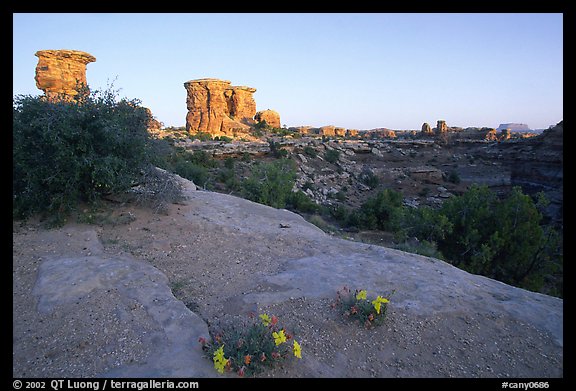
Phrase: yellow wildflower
[361,295]
[379,300]
[265,319]
[297,349]
[219,361]
[279,337]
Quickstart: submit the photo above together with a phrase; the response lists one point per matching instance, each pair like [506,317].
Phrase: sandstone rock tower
[271,117]
[426,128]
[60,72]
[441,126]
[216,107]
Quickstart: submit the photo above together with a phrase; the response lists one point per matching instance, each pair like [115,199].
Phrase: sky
[354,70]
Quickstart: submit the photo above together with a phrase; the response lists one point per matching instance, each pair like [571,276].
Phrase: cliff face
[60,72]
[217,108]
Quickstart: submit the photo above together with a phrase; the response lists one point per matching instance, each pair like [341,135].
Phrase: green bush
[501,239]
[453,177]
[276,150]
[194,172]
[67,152]
[332,156]
[310,151]
[369,179]
[270,183]
[298,201]
[383,212]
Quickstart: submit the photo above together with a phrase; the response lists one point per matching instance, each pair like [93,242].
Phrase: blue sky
[352,70]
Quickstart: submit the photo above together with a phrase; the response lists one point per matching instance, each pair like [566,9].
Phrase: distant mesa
[514,127]
[59,73]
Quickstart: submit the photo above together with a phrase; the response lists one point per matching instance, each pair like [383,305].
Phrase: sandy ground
[219,254]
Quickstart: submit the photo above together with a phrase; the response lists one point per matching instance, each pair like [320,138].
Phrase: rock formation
[426,129]
[351,133]
[514,127]
[491,135]
[271,117]
[504,135]
[441,127]
[328,130]
[217,108]
[60,73]
[154,126]
[340,132]
[241,103]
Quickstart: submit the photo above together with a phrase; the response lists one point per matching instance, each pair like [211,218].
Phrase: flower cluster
[247,349]
[356,305]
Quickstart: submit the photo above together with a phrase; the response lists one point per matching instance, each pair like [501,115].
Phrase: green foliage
[229,163]
[276,150]
[201,158]
[453,177]
[227,176]
[310,151]
[332,156]
[225,139]
[252,346]
[194,172]
[501,239]
[383,212]
[246,157]
[422,247]
[425,224]
[270,183]
[202,136]
[67,152]
[358,307]
[369,179]
[300,202]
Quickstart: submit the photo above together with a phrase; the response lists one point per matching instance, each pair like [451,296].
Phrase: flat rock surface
[131,299]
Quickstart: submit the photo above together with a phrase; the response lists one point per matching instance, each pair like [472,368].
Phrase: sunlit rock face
[60,73]
[217,108]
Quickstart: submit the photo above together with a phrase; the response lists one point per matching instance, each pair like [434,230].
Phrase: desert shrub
[270,183]
[424,223]
[319,222]
[202,136]
[225,139]
[201,158]
[67,152]
[369,179]
[310,151]
[252,346]
[384,212]
[422,247]
[227,176]
[276,150]
[194,172]
[501,239]
[229,163]
[332,156]
[453,177]
[157,188]
[298,201]
[358,307]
